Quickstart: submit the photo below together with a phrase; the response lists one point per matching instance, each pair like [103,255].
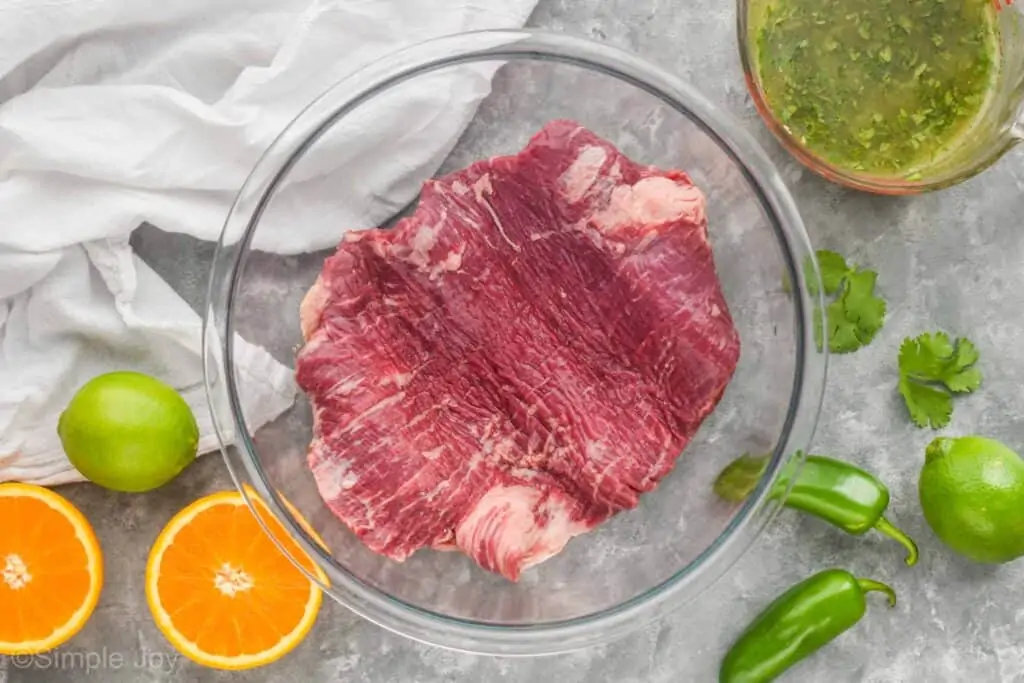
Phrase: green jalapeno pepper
[835,491]
[796,624]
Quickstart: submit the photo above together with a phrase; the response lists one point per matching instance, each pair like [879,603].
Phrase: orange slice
[51,569]
[222,592]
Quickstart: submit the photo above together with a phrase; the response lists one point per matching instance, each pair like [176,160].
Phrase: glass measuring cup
[998,127]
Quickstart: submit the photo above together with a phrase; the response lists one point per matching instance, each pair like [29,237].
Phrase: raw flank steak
[519,359]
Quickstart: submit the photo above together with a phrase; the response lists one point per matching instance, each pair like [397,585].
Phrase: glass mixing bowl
[998,128]
[643,562]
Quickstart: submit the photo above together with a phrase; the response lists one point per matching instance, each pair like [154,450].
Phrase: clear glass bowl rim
[233,248]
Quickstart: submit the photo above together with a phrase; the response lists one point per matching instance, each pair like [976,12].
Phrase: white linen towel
[118,112]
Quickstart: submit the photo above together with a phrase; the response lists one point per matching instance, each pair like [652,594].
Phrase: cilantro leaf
[927,404]
[842,331]
[931,367]
[969,378]
[966,352]
[925,356]
[834,270]
[861,304]
[965,381]
[934,358]
[857,315]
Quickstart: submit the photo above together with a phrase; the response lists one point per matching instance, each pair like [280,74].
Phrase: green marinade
[877,86]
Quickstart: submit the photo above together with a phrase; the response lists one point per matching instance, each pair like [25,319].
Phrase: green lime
[128,432]
[972,494]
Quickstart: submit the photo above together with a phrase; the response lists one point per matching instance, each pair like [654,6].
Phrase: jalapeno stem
[886,527]
[872,586]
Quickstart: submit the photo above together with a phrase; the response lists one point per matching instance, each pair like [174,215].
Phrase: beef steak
[519,359]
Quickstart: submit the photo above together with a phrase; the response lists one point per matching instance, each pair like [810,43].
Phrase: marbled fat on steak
[518,360]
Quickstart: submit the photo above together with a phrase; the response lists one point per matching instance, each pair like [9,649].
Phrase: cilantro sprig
[856,315]
[932,369]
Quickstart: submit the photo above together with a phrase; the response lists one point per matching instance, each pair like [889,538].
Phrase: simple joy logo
[87,662]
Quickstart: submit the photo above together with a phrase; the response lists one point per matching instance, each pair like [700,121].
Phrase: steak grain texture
[519,359]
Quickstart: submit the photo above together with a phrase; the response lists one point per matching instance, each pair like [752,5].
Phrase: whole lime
[128,432]
[972,494]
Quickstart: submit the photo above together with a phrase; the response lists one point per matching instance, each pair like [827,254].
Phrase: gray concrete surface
[949,260]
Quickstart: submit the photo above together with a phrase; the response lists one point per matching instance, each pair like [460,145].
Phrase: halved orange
[222,592]
[51,569]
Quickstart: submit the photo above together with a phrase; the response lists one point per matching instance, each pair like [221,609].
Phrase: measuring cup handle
[1017,129]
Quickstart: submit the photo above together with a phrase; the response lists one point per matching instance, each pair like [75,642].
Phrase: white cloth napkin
[119,112]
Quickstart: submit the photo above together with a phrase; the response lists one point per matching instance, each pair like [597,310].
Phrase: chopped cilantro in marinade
[876,86]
